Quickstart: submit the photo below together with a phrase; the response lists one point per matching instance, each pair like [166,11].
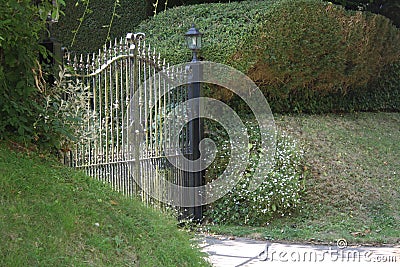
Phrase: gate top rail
[91,64]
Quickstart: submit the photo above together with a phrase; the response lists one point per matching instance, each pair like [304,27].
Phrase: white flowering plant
[278,195]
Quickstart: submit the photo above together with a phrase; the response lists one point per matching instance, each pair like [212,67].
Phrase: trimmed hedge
[317,59]
[225,27]
[306,56]
[92,34]
[308,49]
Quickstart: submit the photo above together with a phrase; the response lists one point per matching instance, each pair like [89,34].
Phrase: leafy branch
[114,14]
[81,19]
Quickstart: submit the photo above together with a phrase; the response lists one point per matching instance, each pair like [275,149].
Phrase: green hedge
[92,34]
[308,49]
[305,55]
[225,27]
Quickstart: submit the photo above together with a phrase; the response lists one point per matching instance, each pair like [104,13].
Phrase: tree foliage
[23,89]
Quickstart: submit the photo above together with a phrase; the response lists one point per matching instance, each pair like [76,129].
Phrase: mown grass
[54,216]
[353,190]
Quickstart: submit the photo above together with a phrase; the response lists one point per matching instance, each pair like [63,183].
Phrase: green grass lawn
[353,190]
[54,216]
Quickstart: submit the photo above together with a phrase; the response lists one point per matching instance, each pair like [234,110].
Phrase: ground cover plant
[280,193]
[51,215]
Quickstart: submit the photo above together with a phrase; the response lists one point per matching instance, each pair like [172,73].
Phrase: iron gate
[130,95]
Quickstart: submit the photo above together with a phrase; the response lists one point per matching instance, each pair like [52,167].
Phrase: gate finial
[129,37]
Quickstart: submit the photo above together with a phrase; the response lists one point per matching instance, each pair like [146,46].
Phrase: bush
[305,55]
[280,193]
[32,109]
[314,48]
[23,88]
[224,26]
[92,34]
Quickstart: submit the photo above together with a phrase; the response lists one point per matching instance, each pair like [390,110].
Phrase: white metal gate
[125,87]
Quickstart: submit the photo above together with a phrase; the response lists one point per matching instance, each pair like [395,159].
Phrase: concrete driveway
[224,251]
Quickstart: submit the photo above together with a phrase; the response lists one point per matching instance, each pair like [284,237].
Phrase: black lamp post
[193,40]
[194,179]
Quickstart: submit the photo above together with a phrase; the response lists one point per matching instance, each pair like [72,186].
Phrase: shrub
[64,115]
[32,110]
[224,26]
[305,55]
[92,34]
[313,48]
[22,86]
[278,195]
[384,92]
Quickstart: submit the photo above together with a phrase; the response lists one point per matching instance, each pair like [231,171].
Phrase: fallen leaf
[356,234]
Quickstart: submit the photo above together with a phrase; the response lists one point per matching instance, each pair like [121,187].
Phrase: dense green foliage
[382,93]
[52,215]
[19,49]
[223,25]
[317,50]
[23,89]
[90,21]
[320,58]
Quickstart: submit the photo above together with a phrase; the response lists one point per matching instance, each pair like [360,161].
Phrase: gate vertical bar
[134,111]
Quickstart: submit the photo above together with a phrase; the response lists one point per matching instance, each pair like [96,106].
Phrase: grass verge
[51,215]
[353,191]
